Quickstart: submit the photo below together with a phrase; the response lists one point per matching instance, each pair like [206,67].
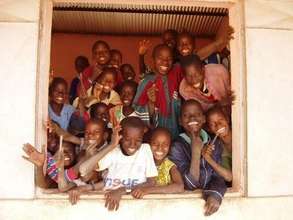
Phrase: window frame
[238,84]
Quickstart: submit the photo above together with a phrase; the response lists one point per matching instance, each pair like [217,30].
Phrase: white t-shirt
[128,171]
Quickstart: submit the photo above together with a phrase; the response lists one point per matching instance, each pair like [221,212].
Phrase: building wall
[269,38]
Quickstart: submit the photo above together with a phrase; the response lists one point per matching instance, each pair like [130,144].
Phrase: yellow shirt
[164,177]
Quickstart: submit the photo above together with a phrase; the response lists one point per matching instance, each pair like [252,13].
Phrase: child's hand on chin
[211,206]
[113,199]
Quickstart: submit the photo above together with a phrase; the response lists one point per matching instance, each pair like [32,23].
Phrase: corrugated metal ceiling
[102,18]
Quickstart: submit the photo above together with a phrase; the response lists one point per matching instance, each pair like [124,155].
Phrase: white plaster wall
[188,209]
[269,46]
[18,55]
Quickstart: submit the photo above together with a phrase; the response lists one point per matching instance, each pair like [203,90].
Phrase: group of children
[169,132]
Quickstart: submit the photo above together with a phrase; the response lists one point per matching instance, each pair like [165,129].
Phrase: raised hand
[143,47]
[116,137]
[152,94]
[33,156]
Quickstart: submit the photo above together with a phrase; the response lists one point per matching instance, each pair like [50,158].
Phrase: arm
[142,50]
[177,185]
[223,172]
[196,145]
[92,162]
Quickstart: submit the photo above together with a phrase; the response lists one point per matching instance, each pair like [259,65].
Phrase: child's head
[100,111]
[133,130]
[127,92]
[116,59]
[185,44]
[127,72]
[163,59]
[80,63]
[107,79]
[160,143]
[101,52]
[69,154]
[95,132]
[192,117]
[169,38]
[58,91]
[193,70]
[52,142]
[217,121]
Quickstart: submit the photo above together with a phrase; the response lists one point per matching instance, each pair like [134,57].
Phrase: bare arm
[177,185]
[196,145]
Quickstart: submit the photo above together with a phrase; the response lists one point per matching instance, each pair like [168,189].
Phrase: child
[208,84]
[100,111]
[116,59]
[168,38]
[127,72]
[169,179]
[157,93]
[101,57]
[218,124]
[119,112]
[186,45]
[80,64]
[130,165]
[103,90]
[58,110]
[186,154]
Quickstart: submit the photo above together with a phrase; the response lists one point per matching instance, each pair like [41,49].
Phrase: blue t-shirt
[64,118]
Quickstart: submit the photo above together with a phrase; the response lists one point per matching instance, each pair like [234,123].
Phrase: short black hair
[217,109]
[191,60]
[159,47]
[171,31]
[113,51]
[56,81]
[133,122]
[161,129]
[185,34]
[94,107]
[129,83]
[98,122]
[95,45]
[126,65]
[82,60]
[191,102]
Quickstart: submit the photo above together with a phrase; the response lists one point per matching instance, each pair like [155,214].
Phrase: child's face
[217,121]
[102,113]
[52,142]
[163,61]
[115,61]
[95,133]
[185,45]
[160,144]
[192,118]
[127,95]
[108,82]
[69,154]
[101,54]
[132,140]
[169,39]
[59,94]
[127,73]
[194,76]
